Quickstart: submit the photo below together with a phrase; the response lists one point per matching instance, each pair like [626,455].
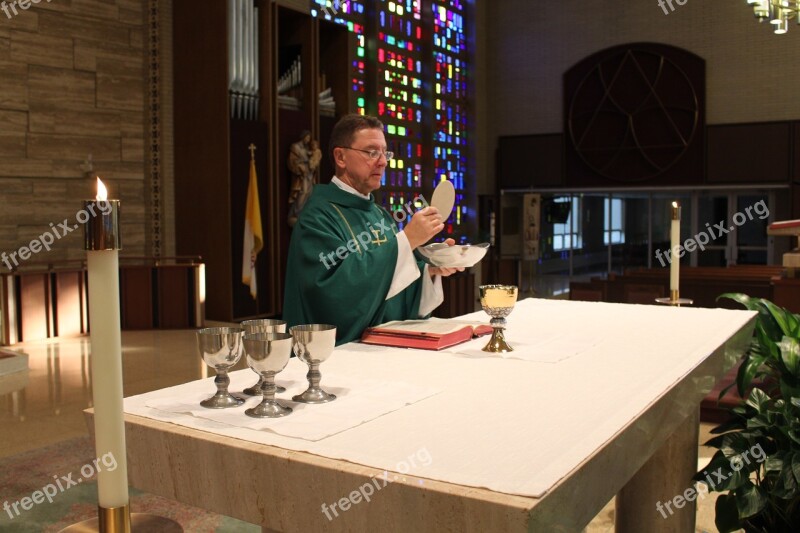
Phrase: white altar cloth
[509,425]
[357,401]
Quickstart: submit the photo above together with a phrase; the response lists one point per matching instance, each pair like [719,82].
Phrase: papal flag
[253,234]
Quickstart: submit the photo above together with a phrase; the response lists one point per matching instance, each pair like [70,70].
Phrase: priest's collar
[347,188]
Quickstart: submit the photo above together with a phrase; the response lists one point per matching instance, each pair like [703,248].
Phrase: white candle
[102,245]
[675,242]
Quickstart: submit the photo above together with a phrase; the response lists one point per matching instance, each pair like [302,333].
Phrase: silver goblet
[267,354]
[221,348]
[498,301]
[262,325]
[313,344]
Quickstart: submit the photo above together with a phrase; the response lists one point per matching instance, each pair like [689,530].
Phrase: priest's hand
[445,271]
[423,226]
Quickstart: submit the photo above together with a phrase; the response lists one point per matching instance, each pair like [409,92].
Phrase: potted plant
[757,463]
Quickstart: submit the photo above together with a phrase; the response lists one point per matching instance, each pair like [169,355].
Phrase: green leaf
[750,500]
[796,466]
[759,421]
[765,343]
[719,475]
[783,318]
[734,444]
[787,475]
[725,390]
[773,463]
[743,299]
[727,514]
[748,371]
[758,400]
[790,355]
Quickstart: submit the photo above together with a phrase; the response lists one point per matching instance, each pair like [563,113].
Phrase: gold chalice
[498,302]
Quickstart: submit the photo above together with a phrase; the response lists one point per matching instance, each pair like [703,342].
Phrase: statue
[304,159]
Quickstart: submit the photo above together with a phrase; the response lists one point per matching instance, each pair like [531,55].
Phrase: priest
[348,264]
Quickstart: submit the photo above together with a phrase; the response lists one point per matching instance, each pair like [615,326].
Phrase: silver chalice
[221,348]
[267,354]
[313,344]
[262,325]
[498,301]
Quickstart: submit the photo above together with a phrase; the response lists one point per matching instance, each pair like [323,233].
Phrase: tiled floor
[44,406]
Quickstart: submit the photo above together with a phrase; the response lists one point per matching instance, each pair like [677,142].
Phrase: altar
[599,399]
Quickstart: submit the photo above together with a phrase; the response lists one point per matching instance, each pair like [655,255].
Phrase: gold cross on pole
[252,149]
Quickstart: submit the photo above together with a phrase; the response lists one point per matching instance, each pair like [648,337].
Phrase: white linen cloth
[529,344]
[512,426]
[357,401]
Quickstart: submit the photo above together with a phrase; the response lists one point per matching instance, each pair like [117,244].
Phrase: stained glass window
[419,53]
[350,14]
[450,117]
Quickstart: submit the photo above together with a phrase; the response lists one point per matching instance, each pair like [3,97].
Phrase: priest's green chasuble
[341,262]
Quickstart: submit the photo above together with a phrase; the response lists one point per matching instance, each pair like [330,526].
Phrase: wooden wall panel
[459,296]
[173,297]
[530,161]
[748,153]
[203,196]
[796,153]
[69,304]
[34,306]
[136,297]
[41,305]
[787,294]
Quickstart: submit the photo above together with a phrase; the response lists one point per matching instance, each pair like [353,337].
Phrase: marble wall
[72,83]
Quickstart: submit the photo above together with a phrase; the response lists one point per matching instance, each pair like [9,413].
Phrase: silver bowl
[457,256]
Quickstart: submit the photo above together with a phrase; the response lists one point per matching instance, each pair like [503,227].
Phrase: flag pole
[253,149]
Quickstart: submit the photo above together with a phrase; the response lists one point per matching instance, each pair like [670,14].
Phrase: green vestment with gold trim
[342,258]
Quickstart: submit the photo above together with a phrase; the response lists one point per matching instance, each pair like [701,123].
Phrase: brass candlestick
[121,520]
[675,300]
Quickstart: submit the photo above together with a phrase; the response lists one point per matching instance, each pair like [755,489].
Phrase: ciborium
[262,325]
[267,354]
[498,302]
[313,344]
[221,348]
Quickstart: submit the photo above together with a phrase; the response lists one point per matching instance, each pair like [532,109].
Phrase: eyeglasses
[372,154]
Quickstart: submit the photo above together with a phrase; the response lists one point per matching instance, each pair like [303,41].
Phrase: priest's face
[356,168]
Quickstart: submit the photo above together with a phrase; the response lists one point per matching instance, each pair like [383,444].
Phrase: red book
[432,334]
